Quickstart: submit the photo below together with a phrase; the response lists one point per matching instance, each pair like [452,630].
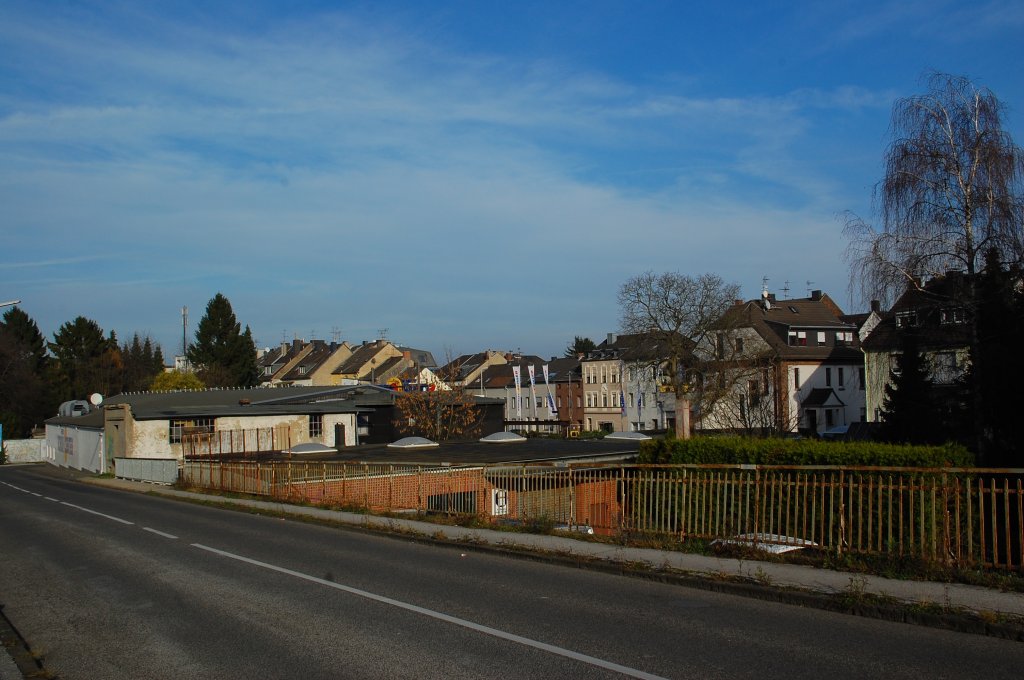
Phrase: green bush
[778,451]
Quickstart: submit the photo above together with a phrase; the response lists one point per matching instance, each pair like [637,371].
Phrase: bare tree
[952,190]
[446,410]
[679,312]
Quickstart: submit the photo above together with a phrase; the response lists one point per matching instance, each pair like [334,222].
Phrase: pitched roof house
[932,312]
[784,365]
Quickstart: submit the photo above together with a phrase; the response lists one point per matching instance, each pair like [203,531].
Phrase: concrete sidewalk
[947,605]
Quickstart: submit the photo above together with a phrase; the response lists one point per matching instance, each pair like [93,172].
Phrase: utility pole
[184,338]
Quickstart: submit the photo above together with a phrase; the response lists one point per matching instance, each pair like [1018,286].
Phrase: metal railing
[949,515]
[235,443]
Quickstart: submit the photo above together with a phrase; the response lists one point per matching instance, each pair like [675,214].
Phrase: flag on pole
[519,391]
[552,409]
[533,389]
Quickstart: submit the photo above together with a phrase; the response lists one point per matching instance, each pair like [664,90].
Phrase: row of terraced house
[772,365]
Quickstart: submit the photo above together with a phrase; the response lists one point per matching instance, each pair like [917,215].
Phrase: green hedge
[777,451]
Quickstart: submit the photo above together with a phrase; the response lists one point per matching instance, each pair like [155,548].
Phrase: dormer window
[844,338]
[906,319]
[951,315]
[798,338]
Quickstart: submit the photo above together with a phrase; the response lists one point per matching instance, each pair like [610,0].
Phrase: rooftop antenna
[765,300]
[785,290]
[335,334]
[809,284]
[382,333]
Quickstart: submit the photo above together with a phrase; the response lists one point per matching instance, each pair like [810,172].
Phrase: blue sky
[466,175]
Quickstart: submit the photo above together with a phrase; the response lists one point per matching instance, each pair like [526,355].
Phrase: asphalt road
[109,584]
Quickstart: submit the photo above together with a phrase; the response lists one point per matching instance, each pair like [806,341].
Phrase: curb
[18,651]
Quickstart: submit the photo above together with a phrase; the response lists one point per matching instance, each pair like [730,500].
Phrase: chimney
[737,303]
[876,306]
[771,298]
[284,348]
[815,295]
[612,338]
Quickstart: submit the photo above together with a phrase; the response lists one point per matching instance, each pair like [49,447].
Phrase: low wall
[157,470]
[24,450]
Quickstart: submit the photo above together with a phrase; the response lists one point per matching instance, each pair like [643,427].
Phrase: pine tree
[25,396]
[141,363]
[908,413]
[222,354]
[81,358]
[997,355]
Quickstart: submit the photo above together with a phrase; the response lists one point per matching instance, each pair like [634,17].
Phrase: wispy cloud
[327,170]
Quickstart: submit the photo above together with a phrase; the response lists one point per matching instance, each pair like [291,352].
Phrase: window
[739,345]
[844,338]
[720,345]
[754,392]
[539,402]
[906,319]
[828,377]
[839,377]
[316,426]
[821,338]
[181,427]
[863,378]
[558,402]
[951,315]
[796,378]
[944,369]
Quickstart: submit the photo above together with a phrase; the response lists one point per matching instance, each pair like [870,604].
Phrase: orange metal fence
[950,515]
[235,443]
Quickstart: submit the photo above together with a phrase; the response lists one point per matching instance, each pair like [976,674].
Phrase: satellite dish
[765,299]
[95,398]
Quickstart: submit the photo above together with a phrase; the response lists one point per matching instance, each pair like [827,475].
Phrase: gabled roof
[420,357]
[502,375]
[636,347]
[775,320]
[362,355]
[931,307]
[821,396]
[320,353]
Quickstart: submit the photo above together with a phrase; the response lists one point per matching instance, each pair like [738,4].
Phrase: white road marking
[93,512]
[55,500]
[487,630]
[159,533]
